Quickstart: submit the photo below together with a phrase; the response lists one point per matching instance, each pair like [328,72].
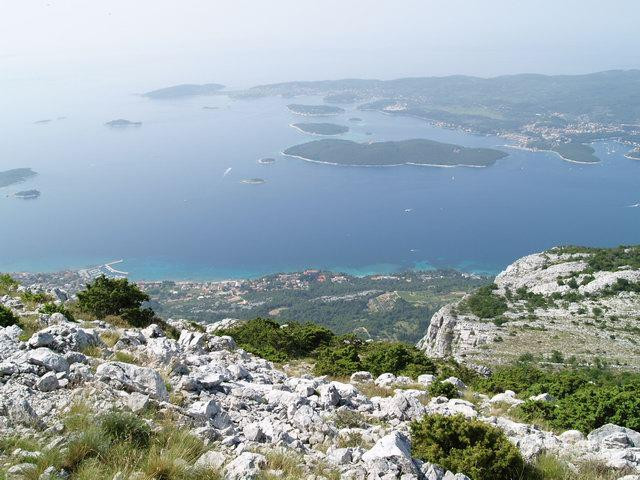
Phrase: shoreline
[293,125]
[377,166]
[355,271]
[537,150]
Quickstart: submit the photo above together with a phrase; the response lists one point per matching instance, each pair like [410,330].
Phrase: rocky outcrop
[554,302]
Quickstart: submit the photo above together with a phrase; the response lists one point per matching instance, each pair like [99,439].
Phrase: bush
[51,308]
[484,304]
[396,358]
[278,343]
[125,427]
[341,360]
[108,296]
[593,406]
[479,450]
[7,317]
[443,389]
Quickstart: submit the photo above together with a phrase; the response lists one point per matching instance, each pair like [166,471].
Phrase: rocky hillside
[569,305]
[85,398]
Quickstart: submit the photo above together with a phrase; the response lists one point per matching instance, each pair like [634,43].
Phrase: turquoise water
[157,195]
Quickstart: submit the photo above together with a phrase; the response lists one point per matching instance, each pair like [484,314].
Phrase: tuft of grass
[30,325]
[287,462]
[110,337]
[92,351]
[370,389]
[125,357]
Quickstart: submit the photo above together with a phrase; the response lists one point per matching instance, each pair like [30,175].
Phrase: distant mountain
[184,90]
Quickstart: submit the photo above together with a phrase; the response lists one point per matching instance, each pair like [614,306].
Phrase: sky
[247,42]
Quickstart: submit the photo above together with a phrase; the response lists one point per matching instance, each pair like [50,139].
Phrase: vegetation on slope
[414,151]
[585,398]
[458,444]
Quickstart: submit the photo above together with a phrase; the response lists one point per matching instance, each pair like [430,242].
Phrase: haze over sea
[157,195]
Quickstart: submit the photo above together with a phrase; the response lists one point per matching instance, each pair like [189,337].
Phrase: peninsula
[405,152]
[321,128]
[184,90]
[315,110]
[16,175]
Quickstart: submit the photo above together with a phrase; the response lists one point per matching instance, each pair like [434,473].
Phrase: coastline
[529,149]
[293,125]
[378,166]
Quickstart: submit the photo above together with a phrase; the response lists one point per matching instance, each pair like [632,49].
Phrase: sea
[167,197]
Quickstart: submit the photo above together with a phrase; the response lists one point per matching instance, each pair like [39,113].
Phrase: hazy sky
[244,42]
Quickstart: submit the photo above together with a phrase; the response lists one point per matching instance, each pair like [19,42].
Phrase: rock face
[552,299]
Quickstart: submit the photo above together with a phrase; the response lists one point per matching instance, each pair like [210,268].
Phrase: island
[121,122]
[27,194]
[253,181]
[16,175]
[266,161]
[184,90]
[566,113]
[320,128]
[405,152]
[344,97]
[315,110]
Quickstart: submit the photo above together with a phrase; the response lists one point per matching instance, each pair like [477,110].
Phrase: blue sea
[157,195]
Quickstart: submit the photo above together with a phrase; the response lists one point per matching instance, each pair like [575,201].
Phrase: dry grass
[110,338]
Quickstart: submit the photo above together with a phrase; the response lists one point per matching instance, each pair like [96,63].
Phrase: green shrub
[51,308]
[444,389]
[125,427]
[458,444]
[593,406]
[278,343]
[396,358]
[7,284]
[109,296]
[340,360]
[485,304]
[7,317]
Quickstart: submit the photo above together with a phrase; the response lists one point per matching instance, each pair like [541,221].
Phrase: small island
[27,194]
[344,98]
[315,110]
[16,175]
[266,161]
[321,128]
[184,90]
[121,122]
[404,152]
[253,181]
